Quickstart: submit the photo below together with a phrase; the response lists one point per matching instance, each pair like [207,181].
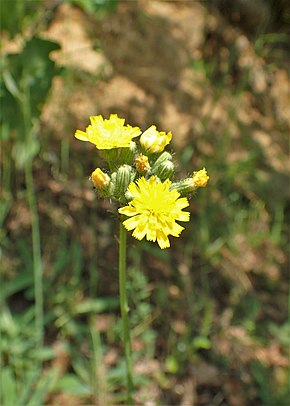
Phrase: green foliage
[96,7]
[26,81]
[15,15]
[227,273]
[270,392]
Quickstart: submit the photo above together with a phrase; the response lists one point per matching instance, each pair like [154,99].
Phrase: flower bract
[154,211]
[155,141]
[108,133]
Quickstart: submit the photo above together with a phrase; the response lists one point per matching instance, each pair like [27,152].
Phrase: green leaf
[11,85]
[17,284]
[44,386]
[25,84]
[96,6]
[72,385]
[16,14]
[96,305]
[8,387]
[171,364]
[25,151]
[202,343]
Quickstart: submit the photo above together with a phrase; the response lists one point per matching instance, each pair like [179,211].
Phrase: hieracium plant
[139,177]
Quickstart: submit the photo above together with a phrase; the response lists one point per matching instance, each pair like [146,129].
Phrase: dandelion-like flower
[155,141]
[154,211]
[108,134]
[200,178]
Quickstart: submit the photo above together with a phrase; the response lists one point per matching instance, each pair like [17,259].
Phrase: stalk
[36,252]
[25,105]
[124,312]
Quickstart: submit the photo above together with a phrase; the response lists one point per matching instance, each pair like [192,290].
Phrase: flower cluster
[139,178]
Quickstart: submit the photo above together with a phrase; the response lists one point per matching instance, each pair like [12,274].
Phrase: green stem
[124,312]
[64,156]
[25,105]
[36,252]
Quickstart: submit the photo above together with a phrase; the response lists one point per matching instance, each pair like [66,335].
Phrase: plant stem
[36,252]
[124,312]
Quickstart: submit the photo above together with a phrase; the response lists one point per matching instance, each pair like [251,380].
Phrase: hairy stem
[124,312]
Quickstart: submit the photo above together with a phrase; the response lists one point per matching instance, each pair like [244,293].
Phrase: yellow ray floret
[108,134]
[154,211]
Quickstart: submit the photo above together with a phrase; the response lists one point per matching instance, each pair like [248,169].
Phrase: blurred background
[209,316]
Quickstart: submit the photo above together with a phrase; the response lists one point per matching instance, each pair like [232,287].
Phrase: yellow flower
[200,178]
[108,134]
[155,141]
[142,164]
[154,211]
[100,179]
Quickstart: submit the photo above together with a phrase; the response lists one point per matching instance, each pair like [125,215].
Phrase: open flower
[108,134]
[154,211]
[155,141]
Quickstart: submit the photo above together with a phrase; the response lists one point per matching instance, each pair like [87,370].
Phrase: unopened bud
[165,170]
[127,155]
[163,167]
[142,164]
[189,185]
[121,179]
[184,187]
[100,179]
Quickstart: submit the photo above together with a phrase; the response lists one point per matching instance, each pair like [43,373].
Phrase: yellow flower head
[100,179]
[200,178]
[154,211]
[108,134]
[142,164]
[155,141]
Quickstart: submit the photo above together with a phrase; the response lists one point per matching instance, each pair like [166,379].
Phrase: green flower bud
[184,187]
[128,196]
[120,181]
[163,167]
[165,156]
[127,155]
[165,170]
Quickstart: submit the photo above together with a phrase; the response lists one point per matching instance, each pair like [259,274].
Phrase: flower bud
[184,187]
[165,170]
[120,181]
[128,196]
[142,164]
[127,155]
[189,185]
[101,181]
[163,166]
[200,178]
[154,141]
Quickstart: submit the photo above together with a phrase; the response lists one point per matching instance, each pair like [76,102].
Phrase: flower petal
[81,135]
[162,240]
